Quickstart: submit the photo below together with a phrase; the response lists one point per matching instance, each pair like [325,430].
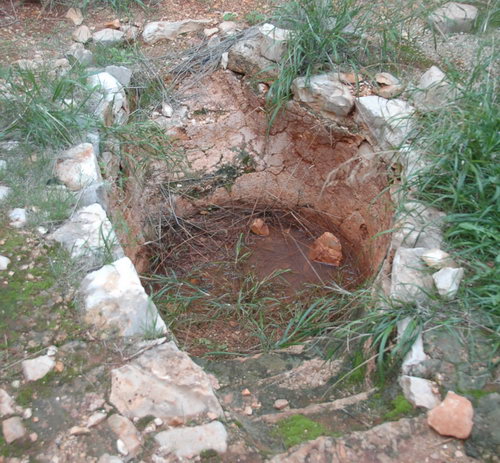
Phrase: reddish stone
[259,227]
[327,250]
[452,417]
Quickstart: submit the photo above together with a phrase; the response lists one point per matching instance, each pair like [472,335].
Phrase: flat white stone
[108,37]
[273,42]
[324,93]
[420,392]
[416,353]
[417,226]
[7,404]
[228,27]
[454,17]
[13,429]
[433,90]
[115,301]
[82,34]
[75,15]
[4,192]
[121,73]
[163,382]
[436,258]
[447,281]
[126,433]
[18,218]
[78,167]
[88,233]
[131,32]
[37,368]
[389,121]
[79,53]
[190,442]
[4,262]
[169,30]
[112,105]
[409,281]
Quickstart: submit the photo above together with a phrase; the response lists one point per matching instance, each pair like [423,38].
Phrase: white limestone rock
[244,57]
[82,34]
[131,32]
[78,167]
[228,27]
[77,52]
[418,226]
[409,281]
[416,354]
[389,86]
[273,42]
[96,419]
[433,90]
[18,217]
[164,382]
[324,93]
[388,121]
[94,193]
[126,432]
[75,15]
[4,192]
[454,17]
[111,103]
[121,73]
[108,37]
[37,368]
[208,32]
[447,281]
[7,404]
[190,442]
[420,392]
[4,262]
[88,233]
[13,429]
[169,30]
[115,301]
[436,258]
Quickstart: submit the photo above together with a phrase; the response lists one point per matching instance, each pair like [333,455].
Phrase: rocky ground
[77,383]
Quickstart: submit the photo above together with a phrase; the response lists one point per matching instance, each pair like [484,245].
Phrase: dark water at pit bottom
[287,249]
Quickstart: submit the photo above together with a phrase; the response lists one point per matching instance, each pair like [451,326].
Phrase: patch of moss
[400,407]
[298,428]
[25,395]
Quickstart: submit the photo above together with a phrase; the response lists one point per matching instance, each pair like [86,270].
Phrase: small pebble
[280,404]
[79,431]
[245,392]
[248,411]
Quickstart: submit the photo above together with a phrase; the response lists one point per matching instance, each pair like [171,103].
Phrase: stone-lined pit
[320,175]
